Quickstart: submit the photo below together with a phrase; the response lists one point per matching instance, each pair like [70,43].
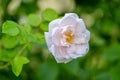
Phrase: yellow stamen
[70,37]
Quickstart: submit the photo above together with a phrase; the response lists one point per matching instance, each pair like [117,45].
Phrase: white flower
[67,38]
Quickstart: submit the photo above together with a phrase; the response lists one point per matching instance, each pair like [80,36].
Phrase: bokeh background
[102,19]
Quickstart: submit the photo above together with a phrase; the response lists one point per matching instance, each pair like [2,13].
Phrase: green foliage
[9,41]
[40,38]
[10,28]
[114,72]
[16,39]
[34,20]
[103,76]
[49,14]
[73,67]
[44,26]
[18,63]
[25,31]
[7,55]
[113,51]
[27,28]
[18,43]
[117,16]
[47,71]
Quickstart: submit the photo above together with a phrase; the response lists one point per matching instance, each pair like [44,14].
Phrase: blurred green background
[102,18]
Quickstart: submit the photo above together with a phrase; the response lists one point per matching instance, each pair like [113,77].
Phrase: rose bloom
[67,38]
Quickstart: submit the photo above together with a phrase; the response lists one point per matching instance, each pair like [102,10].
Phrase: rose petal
[80,25]
[62,59]
[68,20]
[87,35]
[71,51]
[56,36]
[54,24]
[74,56]
[48,39]
[80,38]
[71,14]
[82,49]
[60,54]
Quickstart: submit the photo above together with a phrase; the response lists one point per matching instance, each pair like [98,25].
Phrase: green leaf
[0,31]
[37,38]
[23,36]
[117,15]
[27,35]
[84,74]
[98,41]
[0,52]
[44,26]
[49,14]
[9,41]
[34,20]
[10,28]
[112,53]
[17,64]
[108,27]
[72,67]
[103,76]
[27,1]
[47,71]
[7,55]
[41,38]
[114,72]
[27,28]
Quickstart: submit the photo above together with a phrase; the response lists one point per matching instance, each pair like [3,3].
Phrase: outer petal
[80,38]
[82,49]
[71,49]
[87,35]
[54,24]
[72,52]
[48,39]
[62,59]
[69,19]
[56,36]
[80,25]
[60,54]
[71,14]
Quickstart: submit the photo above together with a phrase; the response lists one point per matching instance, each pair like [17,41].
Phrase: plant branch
[23,48]
[19,53]
[4,66]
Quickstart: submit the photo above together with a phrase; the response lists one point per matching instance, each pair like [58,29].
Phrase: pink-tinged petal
[48,39]
[80,26]
[71,49]
[80,38]
[74,55]
[68,20]
[56,36]
[54,24]
[72,52]
[62,60]
[52,50]
[82,49]
[60,54]
[87,35]
[72,14]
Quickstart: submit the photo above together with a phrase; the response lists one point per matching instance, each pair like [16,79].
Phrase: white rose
[67,38]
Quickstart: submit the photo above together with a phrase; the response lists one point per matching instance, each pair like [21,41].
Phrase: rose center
[69,36]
